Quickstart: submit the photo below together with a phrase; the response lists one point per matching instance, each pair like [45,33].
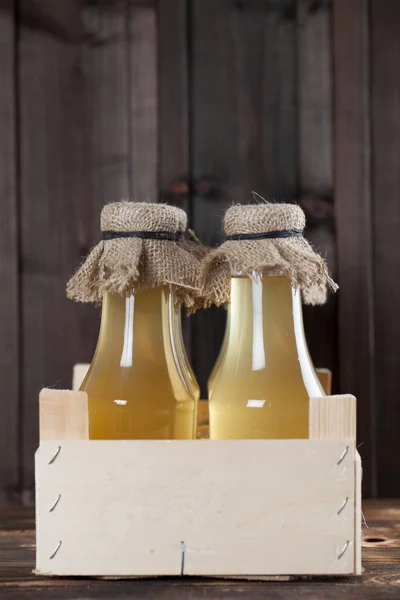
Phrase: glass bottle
[183,361]
[266,376]
[216,368]
[137,385]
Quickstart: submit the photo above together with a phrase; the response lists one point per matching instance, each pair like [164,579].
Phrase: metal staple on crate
[56,549]
[343,505]
[343,550]
[345,501]
[55,455]
[342,456]
[53,458]
[183,550]
[55,503]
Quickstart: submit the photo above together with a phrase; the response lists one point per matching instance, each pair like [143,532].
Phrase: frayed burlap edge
[294,259]
[127,266]
[95,277]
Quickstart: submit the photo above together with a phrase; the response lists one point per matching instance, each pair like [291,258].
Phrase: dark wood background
[199,102]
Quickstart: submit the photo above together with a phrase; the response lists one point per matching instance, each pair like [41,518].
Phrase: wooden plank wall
[353,222]
[86,132]
[243,123]
[367,152]
[198,102]
[9,284]
[385,221]
[174,179]
[54,183]
[315,149]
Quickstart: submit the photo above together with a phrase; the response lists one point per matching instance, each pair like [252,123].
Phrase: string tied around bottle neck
[266,235]
[144,235]
[143,246]
[264,239]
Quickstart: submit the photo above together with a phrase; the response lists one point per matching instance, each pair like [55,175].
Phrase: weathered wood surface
[332,417]
[63,414]
[173,109]
[154,497]
[88,136]
[55,188]
[105,67]
[315,170]
[385,222]
[354,223]
[198,102]
[143,100]
[211,541]
[243,124]
[9,258]
[174,181]
[381,579]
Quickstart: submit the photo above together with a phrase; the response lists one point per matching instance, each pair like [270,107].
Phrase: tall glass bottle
[266,375]
[137,384]
[183,361]
[217,366]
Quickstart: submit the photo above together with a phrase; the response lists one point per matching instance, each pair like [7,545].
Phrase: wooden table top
[381,579]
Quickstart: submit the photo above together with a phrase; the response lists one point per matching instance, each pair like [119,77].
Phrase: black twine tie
[266,235]
[144,235]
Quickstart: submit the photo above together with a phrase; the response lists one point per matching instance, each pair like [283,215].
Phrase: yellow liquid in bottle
[266,376]
[136,384]
[183,359]
[216,368]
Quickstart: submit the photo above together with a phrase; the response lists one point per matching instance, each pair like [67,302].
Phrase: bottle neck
[266,328]
[144,332]
[146,317]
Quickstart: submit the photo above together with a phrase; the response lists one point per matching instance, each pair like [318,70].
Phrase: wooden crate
[237,508]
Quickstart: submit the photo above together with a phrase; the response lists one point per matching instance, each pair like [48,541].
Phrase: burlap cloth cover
[192,244]
[127,266]
[292,256]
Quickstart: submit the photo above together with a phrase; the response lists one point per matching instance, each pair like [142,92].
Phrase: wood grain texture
[353,223]
[262,107]
[143,117]
[212,148]
[333,417]
[109,524]
[9,261]
[173,102]
[63,415]
[75,152]
[314,97]
[243,125]
[358,514]
[55,186]
[244,121]
[104,90]
[106,61]
[174,178]
[57,19]
[385,132]
[380,578]
[315,150]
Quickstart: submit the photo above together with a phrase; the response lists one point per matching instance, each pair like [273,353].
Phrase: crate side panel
[244,507]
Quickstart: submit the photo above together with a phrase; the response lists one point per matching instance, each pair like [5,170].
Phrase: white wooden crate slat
[239,507]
